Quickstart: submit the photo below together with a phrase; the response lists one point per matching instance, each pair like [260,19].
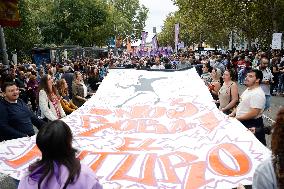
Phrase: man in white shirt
[251,106]
[158,64]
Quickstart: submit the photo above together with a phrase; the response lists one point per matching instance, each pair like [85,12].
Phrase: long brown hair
[277,146]
[43,85]
[62,90]
[55,143]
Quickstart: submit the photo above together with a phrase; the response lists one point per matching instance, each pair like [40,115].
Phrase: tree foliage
[212,21]
[75,22]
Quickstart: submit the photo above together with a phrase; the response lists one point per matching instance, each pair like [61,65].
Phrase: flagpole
[3,46]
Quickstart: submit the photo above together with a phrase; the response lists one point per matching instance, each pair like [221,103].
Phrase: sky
[158,11]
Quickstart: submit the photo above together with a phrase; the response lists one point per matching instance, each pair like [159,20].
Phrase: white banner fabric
[146,129]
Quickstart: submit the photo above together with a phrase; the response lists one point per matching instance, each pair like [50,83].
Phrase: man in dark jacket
[16,118]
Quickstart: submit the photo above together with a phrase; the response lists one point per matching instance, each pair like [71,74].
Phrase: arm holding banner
[250,115]
[6,131]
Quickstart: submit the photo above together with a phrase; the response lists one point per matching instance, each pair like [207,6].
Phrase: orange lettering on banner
[24,159]
[179,126]
[147,171]
[151,126]
[102,112]
[145,111]
[98,120]
[138,145]
[98,163]
[195,178]
[126,125]
[83,154]
[169,168]
[209,121]
[187,109]
[242,160]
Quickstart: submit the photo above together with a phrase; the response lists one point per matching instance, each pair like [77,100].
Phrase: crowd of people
[55,89]
[37,96]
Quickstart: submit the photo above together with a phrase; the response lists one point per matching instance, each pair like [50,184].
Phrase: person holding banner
[251,106]
[59,166]
[16,118]
[49,100]
[79,90]
[228,93]
[269,174]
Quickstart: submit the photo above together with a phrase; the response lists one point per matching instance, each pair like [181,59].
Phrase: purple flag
[143,40]
[154,43]
[176,36]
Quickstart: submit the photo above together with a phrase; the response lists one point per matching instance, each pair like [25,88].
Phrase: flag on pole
[9,13]
[181,45]
[154,43]
[176,36]
[144,36]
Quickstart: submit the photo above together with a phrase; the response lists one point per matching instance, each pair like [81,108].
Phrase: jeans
[281,83]
[267,102]
[241,76]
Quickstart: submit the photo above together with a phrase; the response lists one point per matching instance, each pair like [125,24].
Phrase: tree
[129,18]
[212,21]
[23,38]
[73,22]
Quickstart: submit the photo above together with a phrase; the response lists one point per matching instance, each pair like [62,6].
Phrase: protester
[215,85]
[251,106]
[59,167]
[266,81]
[32,91]
[183,63]
[49,100]
[206,73]
[79,90]
[93,79]
[228,93]
[269,174]
[16,119]
[158,64]
[65,102]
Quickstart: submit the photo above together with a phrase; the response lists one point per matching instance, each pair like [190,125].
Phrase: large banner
[146,130]
[9,13]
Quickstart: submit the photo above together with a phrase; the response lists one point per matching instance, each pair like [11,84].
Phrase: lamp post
[3,46]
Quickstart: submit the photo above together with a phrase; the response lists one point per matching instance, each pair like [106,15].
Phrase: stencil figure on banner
[49,100]
[251,106]
[143,86]
[16,118]
[58,167]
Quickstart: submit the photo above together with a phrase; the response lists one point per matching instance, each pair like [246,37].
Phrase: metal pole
[3,46]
